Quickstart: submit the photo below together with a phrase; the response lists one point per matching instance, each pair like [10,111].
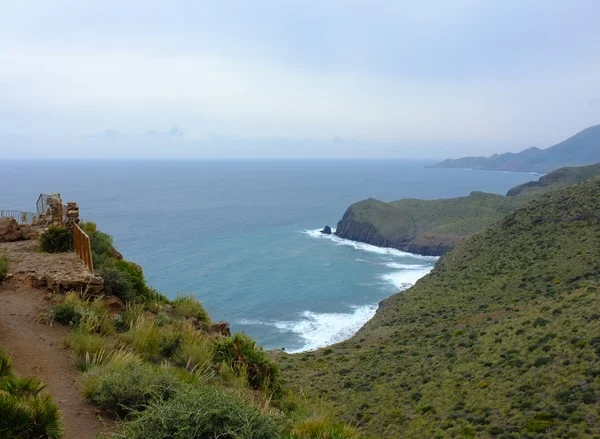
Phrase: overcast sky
[286,78]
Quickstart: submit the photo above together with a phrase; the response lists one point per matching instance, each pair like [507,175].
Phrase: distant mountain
[581,149]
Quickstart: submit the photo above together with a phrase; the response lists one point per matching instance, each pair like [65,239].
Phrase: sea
[243,236]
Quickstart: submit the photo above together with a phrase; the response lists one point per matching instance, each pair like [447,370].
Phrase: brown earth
[58,272]
[37,348]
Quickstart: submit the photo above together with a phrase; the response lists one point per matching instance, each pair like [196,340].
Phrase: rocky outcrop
[10,230]
[326,230]
[221,328]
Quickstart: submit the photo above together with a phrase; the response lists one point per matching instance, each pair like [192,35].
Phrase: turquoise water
[242,235]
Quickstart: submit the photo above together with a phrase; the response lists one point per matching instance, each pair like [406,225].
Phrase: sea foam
[318,330]
[405,279]
[316,233]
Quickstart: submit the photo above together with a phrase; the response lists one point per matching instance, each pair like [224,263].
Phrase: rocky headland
[434,227]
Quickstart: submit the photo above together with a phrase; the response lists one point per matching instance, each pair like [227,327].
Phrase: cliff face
[434,227]
[353,227]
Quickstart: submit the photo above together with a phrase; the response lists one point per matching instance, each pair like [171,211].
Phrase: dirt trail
[37,349]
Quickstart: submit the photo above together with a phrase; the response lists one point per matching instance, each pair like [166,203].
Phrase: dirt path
[37,350]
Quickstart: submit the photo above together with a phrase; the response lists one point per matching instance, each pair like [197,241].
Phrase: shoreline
[365,312]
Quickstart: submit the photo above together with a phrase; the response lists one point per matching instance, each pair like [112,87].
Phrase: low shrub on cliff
[125,383]
[152,341]
[322,428]
[26,412]
[117,282]
[242,354]
[198,412]
[56,239]
[189,306]
[101,242]
[3,268]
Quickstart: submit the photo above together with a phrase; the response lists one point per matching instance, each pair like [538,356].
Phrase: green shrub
[84,343]
[3,268]
[5,364]
[198,412]
[242,354]
[126,383]
[194,351]
[117,283]
[25,412]
[100,242]
[189,306]
[136,277]
[64,313]
[56,239]
[152,342]
[322,428]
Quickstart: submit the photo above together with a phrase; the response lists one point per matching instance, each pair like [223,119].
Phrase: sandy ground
[37,348]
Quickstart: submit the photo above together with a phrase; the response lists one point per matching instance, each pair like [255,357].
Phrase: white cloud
[378,72]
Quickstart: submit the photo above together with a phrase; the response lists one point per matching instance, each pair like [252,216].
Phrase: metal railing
[83,247]
[42,203]
[20,216]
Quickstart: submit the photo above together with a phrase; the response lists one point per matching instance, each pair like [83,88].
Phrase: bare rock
[30,231]
[221,328]
[10,230]
[115,254]
[114,304]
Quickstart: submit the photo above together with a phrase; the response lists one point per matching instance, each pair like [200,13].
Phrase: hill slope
[502,339]
[581,149]
[433,227]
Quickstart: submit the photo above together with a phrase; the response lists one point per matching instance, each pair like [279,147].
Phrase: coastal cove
[243,235]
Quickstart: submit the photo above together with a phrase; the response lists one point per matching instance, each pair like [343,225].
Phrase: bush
[136,277]
[56,239]
[194,351]
[198,412]
[100,242]
[152,342]
[25,412]
[64,313]
[5,364]
[241,353]
[188,306]
[84,343]
[126,383]
[117,283]
[322,428]
[3,268]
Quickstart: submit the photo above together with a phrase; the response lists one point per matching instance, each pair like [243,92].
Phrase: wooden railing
[83,247]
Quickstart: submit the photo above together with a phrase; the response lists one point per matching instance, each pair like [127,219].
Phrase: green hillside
[581,149]
[501,340]
[433,227]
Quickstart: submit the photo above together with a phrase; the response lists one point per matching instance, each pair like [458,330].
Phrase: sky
[301,79]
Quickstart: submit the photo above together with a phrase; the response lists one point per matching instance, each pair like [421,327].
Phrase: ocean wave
[316,233]
[405,279]
[404,266]
[318,330]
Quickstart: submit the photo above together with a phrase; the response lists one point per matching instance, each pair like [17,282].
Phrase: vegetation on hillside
[56,239]
[3,268]
[26,412]
[433,227]
[500,340]
[157,365]
[581,149]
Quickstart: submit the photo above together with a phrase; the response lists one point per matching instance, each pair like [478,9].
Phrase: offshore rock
[326,230]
